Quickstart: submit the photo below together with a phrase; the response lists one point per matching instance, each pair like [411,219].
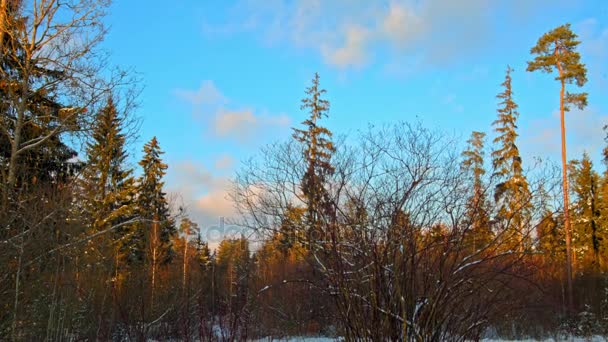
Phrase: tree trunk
[12,164]
[14,332]
[185,260]
[566,197]
[3,23]
[154,256]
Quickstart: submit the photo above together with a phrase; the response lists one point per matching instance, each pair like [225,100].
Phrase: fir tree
[108,186]
[318,149]
[477,207]
[155,234]
[556,49]
[512,193]
[203,253]
[586,228]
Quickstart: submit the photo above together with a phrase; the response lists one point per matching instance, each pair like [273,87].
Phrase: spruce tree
[155,234]
[318,149]
[512,194]
[556,50]
[586,228]
[480,233]
[108,185]
[203,253]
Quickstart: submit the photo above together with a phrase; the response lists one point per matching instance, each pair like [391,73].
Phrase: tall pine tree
[556,50]
[512,194]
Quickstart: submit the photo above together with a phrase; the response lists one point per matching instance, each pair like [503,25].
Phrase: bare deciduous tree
[395,254]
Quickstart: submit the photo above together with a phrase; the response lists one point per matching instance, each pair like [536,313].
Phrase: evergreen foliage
[512,193]
[478,216]
[318,149]
[158,227]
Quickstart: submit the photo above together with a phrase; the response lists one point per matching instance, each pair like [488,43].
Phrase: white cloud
[401,25]
[594,50]
[224,162]
[347,33]
[344,32]
[215,203]
[237,123]
[353,50]
[584,132]
[243,125]
[209,104]
[204,193]
[207,93]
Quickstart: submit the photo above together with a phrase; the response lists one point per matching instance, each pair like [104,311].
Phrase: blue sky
[223,78]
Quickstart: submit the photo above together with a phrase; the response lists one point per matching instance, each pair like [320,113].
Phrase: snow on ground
[571,339]
[297,339]
[328,339]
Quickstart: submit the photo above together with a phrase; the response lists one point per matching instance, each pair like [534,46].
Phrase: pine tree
[556,49]
[108,185]
[512,194]
[586,228]
[158,229]
[480,234]
[318,149]
[187,229]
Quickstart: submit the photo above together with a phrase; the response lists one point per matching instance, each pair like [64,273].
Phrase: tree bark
[565,188]
[3,23]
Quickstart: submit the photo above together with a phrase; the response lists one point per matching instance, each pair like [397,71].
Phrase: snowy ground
[573,339]
[327,339]
[298,339]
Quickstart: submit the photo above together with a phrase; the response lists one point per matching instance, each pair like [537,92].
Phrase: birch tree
[52,73]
